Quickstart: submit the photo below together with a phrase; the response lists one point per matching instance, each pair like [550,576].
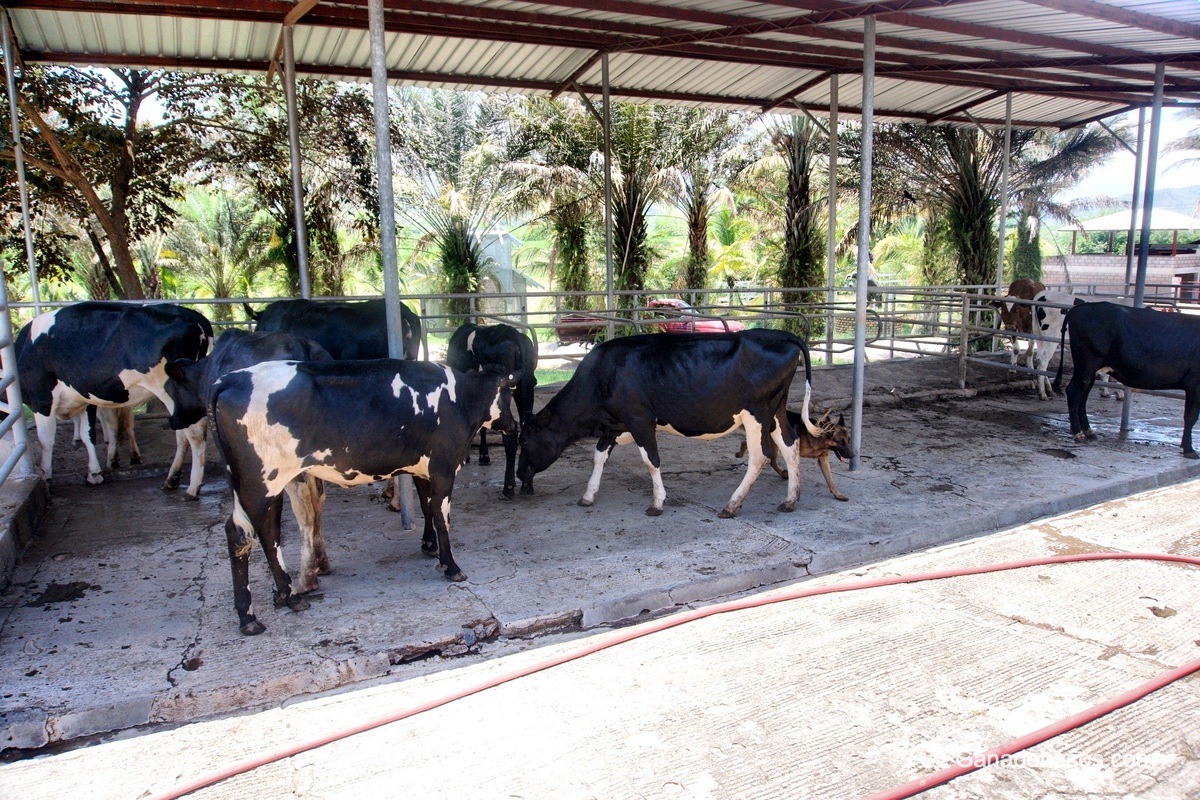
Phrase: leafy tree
[552,170]
[247,143]
[97,162]
[450,174]
[712,152]
[219,245]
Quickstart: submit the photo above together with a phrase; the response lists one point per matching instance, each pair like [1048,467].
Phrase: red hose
[615,638]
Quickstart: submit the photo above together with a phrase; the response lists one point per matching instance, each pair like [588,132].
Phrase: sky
[1114,177]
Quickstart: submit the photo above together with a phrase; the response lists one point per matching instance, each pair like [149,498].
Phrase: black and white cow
[112,355]
[700,385]
[1140,347]
[1049,315]
[349,422]
[475,347]
[346,329]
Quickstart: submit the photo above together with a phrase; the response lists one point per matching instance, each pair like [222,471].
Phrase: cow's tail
[1056,385]
[251,314]
[808,423]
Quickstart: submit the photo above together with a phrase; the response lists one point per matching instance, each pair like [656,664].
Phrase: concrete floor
[120,613]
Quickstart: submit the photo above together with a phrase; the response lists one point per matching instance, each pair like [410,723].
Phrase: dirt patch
[62,593]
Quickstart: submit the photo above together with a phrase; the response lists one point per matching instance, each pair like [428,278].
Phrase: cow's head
[502,420]
[541,445]
[1013,316]
[184,386]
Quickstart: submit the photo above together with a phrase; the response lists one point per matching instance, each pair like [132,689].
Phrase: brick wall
[1102,268]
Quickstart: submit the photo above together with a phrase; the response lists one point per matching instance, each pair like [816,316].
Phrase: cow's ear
[175,368]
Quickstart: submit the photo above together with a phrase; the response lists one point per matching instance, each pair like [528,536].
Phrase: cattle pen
[144,597]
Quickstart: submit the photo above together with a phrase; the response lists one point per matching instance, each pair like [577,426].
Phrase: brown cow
[834,438]
[1018,317]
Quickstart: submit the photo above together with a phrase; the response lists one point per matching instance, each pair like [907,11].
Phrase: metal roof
[1066,61]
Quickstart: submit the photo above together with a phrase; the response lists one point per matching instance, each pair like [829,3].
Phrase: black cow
[348,330]
[704,385]
[112,355]
[1142,348]
[349,422]
[475,347]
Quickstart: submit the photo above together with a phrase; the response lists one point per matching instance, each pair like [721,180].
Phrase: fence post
[964,342]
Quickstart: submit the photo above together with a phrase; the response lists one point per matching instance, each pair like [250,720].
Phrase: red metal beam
[1121,16]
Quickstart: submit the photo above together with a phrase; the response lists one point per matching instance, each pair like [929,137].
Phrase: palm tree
[712,153]
[220,244]
[450,180]
[552,171]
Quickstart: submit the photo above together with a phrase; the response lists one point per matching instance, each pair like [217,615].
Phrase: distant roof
[1065,61]
[1160,220]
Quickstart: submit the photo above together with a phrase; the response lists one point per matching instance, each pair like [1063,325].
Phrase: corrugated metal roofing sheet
[1067,61]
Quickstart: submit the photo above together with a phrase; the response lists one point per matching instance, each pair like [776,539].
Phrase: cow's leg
[307,497]
[46,425]
[510,464]
[484,458]
[1045,352]
[823,462]
[1191,410]
[124,426]
[269,538]
[176,469]
[77,435]
[757,460]
[239,537]
[651,459]
[435,496]
[108,423]
[197,438]
[1077,394]
[95,475]
[604,448]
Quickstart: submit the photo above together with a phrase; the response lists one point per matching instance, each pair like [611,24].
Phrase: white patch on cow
[42,323]
[593,485]
[493,412]
[333,475]
[322,455]
[241,519]
[737,422]
[397,385]
[471,342]
[446,510]
[273,443]
[435,397]
[420,469]
[660,492]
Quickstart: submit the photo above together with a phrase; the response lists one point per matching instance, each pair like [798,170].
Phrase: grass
[549,376]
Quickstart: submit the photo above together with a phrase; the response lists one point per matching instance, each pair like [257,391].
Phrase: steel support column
[1143,260]
[608,221]
[1134,206]
[387,217]
[293,127]
[6,41]
[1001,226]
[864,241]
[831,235]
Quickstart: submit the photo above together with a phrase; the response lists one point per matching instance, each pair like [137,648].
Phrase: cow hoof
[485,460]
[726,513]
[172,482]
[297,603]
[509,493]
[653,512]
[429,549]
[1090,435]
[585,503]
[323,567]
[840,496]
[787,508]
[135,459]
[1190,454]
[457,575]
[252,628]
[526,488]
[1079,437]
[95,479]
[392,508]
[116,462]
[192,497]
